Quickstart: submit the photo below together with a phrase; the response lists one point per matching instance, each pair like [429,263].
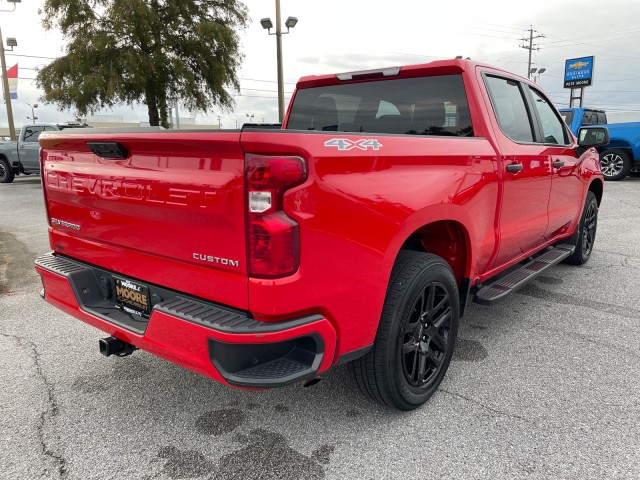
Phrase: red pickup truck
[356,233]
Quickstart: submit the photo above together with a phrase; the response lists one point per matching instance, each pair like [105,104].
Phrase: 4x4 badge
[346,144]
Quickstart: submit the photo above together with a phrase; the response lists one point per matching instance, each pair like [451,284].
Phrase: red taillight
[268,173]
[273,244]
[273,236]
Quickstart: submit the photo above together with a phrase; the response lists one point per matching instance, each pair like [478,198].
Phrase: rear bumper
[224,344]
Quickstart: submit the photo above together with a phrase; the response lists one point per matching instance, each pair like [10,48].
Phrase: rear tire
[586,233]
[6,172]
[615,164]
[416,335]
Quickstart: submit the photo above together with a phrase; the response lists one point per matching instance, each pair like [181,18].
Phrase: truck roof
[438,67]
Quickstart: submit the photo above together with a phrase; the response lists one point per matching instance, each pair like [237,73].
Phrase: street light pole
[7,95]
[280,73]
[532,71]
[33,112]
[268,25]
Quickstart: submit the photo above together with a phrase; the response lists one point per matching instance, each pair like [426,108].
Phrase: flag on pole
[12,77]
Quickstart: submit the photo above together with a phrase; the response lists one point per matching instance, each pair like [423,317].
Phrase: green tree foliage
[149,51]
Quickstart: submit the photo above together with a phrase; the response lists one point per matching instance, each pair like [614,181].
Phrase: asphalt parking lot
[544,385]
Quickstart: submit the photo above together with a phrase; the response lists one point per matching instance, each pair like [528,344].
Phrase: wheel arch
[619,145]
[448,239]
[597,187]
[432,230]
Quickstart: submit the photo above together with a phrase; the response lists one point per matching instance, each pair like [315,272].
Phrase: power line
[29,56]
[260,90]
[633,33]
[592,46]
[55,58]
[266,81]
[490,36]
[501,26]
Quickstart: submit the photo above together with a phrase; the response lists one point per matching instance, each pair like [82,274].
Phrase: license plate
[132,297]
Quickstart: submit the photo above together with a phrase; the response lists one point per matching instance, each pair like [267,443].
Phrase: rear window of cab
[411,106]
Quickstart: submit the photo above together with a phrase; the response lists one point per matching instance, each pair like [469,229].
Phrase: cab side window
[31,134]
[510,108]
[553,130]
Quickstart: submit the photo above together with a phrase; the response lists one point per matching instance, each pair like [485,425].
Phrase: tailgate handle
[111,150]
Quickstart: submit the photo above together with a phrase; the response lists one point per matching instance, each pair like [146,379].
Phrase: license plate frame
[132,297]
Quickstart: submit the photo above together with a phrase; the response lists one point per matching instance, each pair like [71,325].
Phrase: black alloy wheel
[426,332]
[416,334]
[585,235]
[589,229]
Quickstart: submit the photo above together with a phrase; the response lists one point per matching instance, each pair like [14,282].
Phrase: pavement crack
[49,413]
[482,405]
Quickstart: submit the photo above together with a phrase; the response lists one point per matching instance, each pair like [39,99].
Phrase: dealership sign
[578,72]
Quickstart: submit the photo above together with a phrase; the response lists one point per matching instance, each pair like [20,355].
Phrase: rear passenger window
[510,108]
[553,130]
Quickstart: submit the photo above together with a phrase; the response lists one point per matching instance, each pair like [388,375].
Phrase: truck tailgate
[170,212]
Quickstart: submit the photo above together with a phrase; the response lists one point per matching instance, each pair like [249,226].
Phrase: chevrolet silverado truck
[357,233]
[621,155]
[21,156]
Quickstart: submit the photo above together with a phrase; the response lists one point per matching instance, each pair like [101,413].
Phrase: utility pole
[530,46]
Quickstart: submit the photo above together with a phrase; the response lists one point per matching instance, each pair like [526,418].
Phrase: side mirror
[593,137]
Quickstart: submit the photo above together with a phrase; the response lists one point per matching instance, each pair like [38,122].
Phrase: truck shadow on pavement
[249,435]
[247,422]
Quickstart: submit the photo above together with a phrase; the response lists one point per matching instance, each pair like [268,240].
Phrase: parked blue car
[622,154]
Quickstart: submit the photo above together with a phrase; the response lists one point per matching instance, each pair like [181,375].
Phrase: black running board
[498,290]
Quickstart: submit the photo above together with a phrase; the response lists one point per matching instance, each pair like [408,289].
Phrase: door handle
[558,164]
[514,168]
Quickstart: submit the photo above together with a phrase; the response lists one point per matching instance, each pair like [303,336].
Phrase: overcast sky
[339,35]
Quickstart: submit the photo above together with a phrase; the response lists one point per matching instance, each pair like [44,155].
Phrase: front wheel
[6,172]
[416,335]
[615,164]
[586,233]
